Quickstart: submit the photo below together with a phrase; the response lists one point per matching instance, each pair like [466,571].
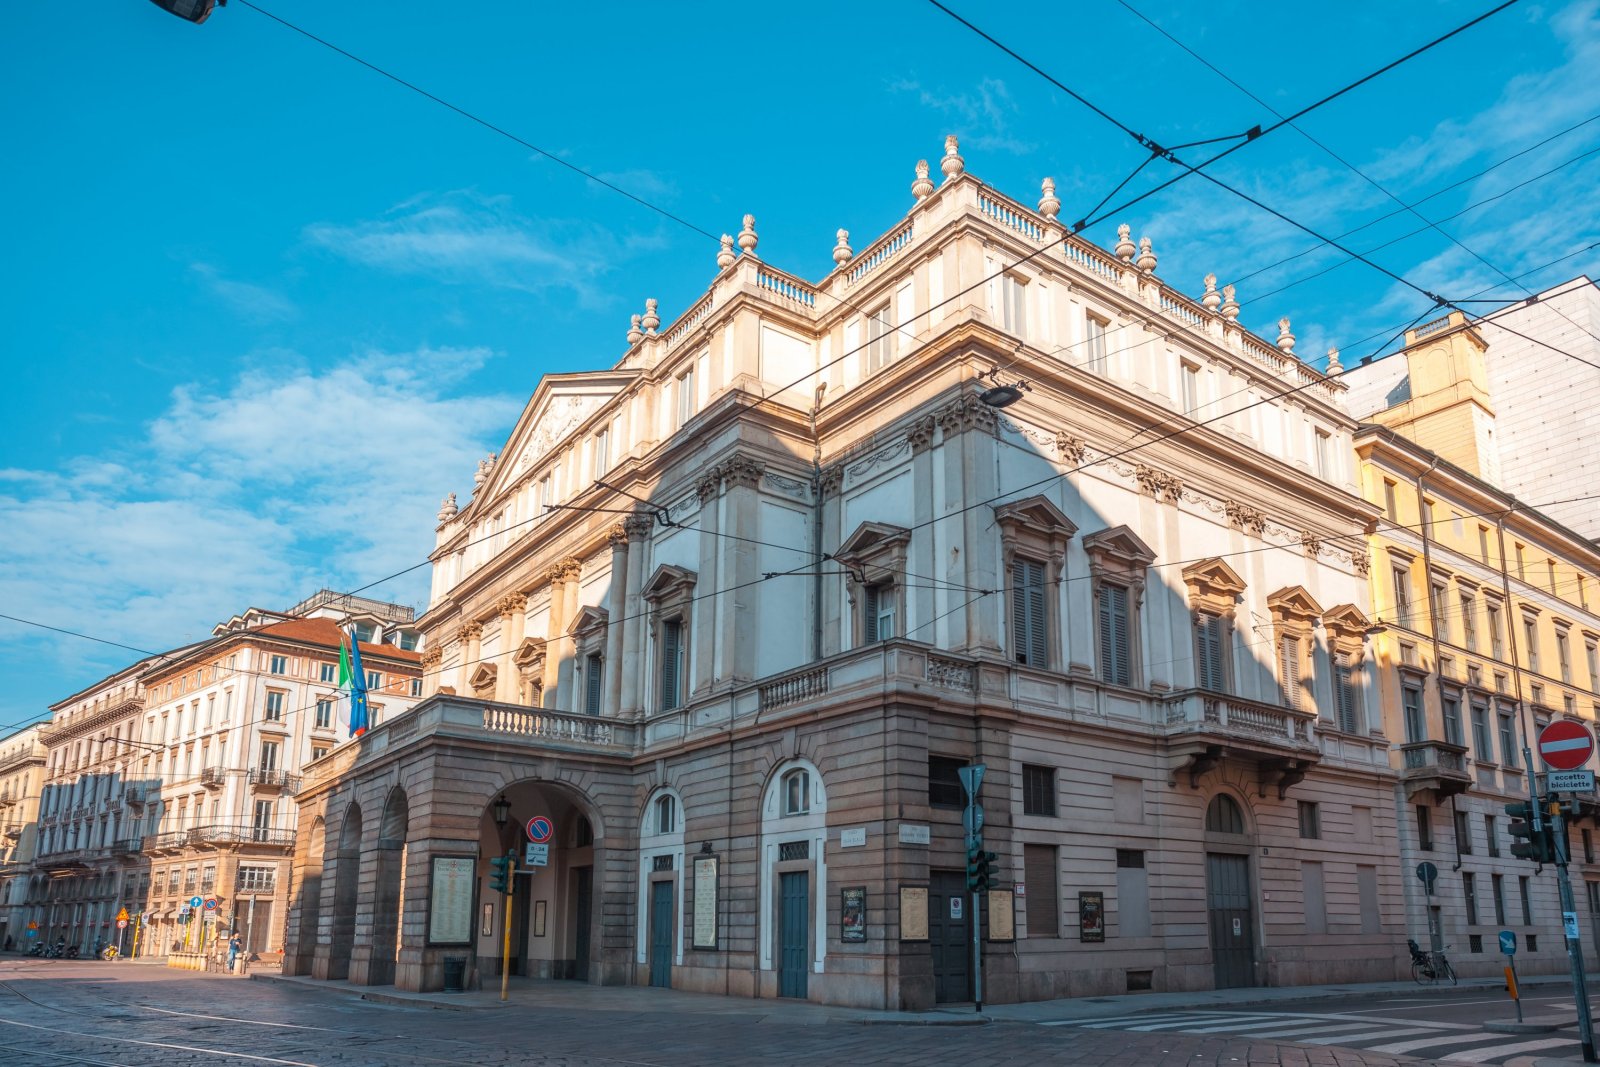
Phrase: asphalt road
[129,1015]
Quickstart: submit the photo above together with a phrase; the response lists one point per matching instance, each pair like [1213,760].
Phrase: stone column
[631,668]
[741,516]
[616,609]
[472,649]
[968,421]
[563,578]
[430,671]
[710,657]
[922,604]
[505,678]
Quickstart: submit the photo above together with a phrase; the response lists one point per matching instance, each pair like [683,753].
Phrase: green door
[661,934]
[794,934]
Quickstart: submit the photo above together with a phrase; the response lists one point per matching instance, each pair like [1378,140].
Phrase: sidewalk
[580,997]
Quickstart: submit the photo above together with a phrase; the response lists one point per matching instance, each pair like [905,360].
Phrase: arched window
[666,815]
[1224,816]
[796,793]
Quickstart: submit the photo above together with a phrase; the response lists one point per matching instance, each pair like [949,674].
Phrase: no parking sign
[540,830]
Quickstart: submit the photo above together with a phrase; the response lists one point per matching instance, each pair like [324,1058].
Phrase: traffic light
[1526,842]
[502,874]
[980,868]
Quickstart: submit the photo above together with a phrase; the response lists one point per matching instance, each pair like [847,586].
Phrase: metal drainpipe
[1427,567]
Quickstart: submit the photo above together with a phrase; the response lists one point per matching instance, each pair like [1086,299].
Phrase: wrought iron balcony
[220,834]
[12,829]
[1439,766]
[214,777]
[274,779]
[1206,727]
[172,839]
[128,846]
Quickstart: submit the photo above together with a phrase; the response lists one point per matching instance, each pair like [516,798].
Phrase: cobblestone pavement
[130,1015]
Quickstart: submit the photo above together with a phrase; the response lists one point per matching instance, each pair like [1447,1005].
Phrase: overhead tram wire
[1336,157]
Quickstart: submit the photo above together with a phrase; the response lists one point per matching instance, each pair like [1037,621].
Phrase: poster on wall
[913,913]
[1002,915]
[451,888]
[853,913]
[1091,916]
[705,902]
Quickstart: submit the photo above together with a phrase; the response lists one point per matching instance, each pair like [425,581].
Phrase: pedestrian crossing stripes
[1425,1039]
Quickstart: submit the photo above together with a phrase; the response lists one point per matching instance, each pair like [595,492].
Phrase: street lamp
[502,811]
[195,11]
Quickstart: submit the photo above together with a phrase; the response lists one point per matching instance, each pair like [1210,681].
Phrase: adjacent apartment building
[22,758]
[722,623]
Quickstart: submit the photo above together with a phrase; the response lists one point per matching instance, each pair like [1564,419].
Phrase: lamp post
[502,815]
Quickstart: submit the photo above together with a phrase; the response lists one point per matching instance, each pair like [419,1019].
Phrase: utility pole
[1569,924]
[979,870]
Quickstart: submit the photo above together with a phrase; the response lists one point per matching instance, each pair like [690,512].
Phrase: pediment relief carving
[1119,545]
[1293,602]
[482,680]
[667,581]
[1038,515]
[589,621]
[1213,577]
[531,653]
[1346,622]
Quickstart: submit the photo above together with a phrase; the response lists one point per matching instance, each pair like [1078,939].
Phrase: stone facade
[732,614]
[22,759]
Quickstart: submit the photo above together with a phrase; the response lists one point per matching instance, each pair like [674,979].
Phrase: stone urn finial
[1211,298]
[1230,306]
[448,509]
[1334,366]
[747,236]
[841,250]
[923,186]
[1147,256]
[1285,337]
[952,164]
[1125,248]
[651,320]
[1049,203]
[725,255]
[635,334]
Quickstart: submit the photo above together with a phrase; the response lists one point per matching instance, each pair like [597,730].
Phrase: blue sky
[264,308]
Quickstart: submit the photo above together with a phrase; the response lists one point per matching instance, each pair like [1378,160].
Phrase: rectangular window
[1483,544]
[1491,834]
[1452,718]
[1551,564]
[1042,875]
[1289,689]
[1427,517]
[1469,891]
[1564,655]
[1310,820]
[269,756]
[1038,790]
[1402,596]
[1324,455]
[416,687]
[1095,341]
[602,452]
[1424,829]
[1314,897]
[878,618]
[1440,620]
[1588,847]
[324,714]
[318,751]
[263,815]
[1530,635]
[1463,823]
[1390,508]
[257,879]
[191,878]
[1497,634]
[374,681]
[1525,889]
[944,782]
[688,399]
[1030,641]
[1522,571]
[1482,743]
[279,665]
[1497,885]
[1508,743]
[879,340]
[1133,894]
[1469,622]
[274,705]
[671,672]
[1116,653]
[208,877]
[1013,305]
[1208,646]
[1346,693]
[1190,375]
[1591,658]
[327,673]
[1416,724]
[593,678]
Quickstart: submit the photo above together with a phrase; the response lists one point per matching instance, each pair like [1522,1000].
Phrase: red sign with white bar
[1566,745]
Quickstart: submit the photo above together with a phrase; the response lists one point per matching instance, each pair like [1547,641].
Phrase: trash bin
[455,974]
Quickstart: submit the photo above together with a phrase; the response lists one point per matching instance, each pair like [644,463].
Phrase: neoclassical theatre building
[720,625]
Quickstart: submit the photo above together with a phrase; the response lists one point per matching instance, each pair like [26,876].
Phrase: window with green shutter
[1030,641]
[593,673]
[671,664]
[1209,659]
[1116,652]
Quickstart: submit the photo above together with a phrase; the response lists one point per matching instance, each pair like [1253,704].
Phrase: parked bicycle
[1429,967]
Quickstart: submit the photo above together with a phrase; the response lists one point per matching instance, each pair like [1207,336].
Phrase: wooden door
[1231,910]
[949,936]
[794,933]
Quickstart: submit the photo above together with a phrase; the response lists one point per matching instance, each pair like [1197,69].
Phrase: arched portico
[333,951]
[376,955]
[306,904]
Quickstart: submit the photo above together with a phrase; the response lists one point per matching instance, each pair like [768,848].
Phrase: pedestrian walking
[235,946]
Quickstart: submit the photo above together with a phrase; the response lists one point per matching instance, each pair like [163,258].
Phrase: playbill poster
[450,906]
[705,902]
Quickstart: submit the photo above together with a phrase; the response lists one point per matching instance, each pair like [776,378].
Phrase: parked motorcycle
[38,949]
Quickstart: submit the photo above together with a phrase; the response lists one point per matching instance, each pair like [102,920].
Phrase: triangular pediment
[483,677]
[1295,602]
[667,579]
[1037,513]
[871,538]
[1346,619]
[589,619]
[1214,575]
[529,652]
[1120,543]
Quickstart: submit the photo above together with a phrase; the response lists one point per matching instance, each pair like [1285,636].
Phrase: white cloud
[467,238]
[981,115]
[257,494]
[254,302]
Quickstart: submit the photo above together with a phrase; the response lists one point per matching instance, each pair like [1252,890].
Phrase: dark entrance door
[949,936]
[519,928]
[794,933]
[583,895]
[1230,906]
[661,934]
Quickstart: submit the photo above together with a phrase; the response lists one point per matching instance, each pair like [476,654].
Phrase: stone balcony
[1438,766]
[1205,728]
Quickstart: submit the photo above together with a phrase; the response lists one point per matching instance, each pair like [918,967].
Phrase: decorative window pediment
[1118,552]
[875,558]
[482,681]
[1038,517]
[1213,580]
[667,582]
[874,548]
[1294,604]
[530,654]
[589,623]
[1345,623]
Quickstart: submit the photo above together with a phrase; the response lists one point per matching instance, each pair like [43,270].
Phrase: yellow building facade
[1486,628]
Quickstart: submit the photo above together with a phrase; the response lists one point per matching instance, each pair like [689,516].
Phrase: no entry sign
[1566,745]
